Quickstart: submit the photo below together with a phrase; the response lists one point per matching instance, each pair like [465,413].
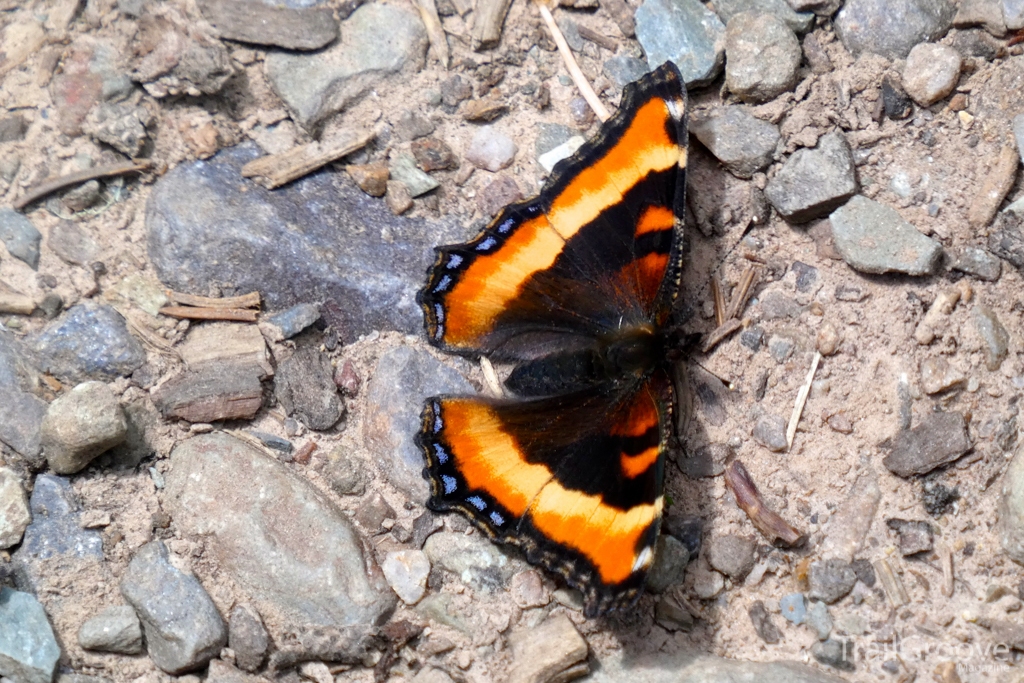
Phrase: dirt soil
[805,485]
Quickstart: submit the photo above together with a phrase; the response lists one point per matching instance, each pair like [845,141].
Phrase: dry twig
[279,169]
[245,315]
[570,63]
[52,185]
[801,400]
[767,521]
[250,300]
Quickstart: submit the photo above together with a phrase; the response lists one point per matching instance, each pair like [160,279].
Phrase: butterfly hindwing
[584,502]
[596,244]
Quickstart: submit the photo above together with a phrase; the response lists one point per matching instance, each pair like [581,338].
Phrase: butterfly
[574,290]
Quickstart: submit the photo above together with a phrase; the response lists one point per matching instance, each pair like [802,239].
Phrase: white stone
[931,72]
[548,159]
[406,572]
[491,149]
[14,512]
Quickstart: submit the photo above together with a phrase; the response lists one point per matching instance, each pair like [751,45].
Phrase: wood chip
[59,183]
[891,584]
[17,303]
[484,109]
[279,169]
[435,32]
[994,188]
[211,393]
[244,315]
[304,453]
[767,521]
[593,36]
[801,400]
[250,300]
[487,21]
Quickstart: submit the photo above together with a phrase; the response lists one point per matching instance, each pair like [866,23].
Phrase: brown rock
[212,392]
[432,154]
[305,388]
[501,192]
[997,183]
[398,198]
[552,651]
[486,109]
[940,439]
[371,178]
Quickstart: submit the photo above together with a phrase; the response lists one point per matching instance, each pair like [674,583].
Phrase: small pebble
[819,620]
[794,608]
[670,560]
[931,72]
[835,653]
[491,150]
[830,580]
[371,178]
[895,101]
[995,337]
[732,555]
[762,56]
[770,432]
[762,622]
[406,572]
[398,197]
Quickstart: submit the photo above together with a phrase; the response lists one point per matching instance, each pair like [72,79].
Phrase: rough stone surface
[744,143]
[306,28]
[891,28]
[978,262]
[21,412]
[762,56]
[931,72]
[28,648]
[670,560]
[732,555]
[819,620]
[337,257]
[55,529]
[20,237]
[403,169]
[915,536]
[490,149]
[623,69]
[406,572]
[544,652]
[305,387]
[90,341]
[184,631]
[939,439]
[874,238]
[297,556]
[1011,509]
[378,40]
[798,21]
[80,425]
[813,182]
[115,629]
[403,379]
[770,432]
[14,510]
[685,32]
[995,338]
[474,559]
[247,637]
[830,580]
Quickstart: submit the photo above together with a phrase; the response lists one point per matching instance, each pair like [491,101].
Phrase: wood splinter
[52,185]
[767,521]
[727,315]
[243,308]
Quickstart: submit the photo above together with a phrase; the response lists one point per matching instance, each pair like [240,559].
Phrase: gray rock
[670,560]
[404,377]
[1013,14]
[623,69]
[55,530]
[838,654]
[21,412]
[931,72]
[1006,240]
[684,666]
[121,125]
[303,28]
[821,8]
[490,149]
[403,169]
[874,238]
[351,253]
[685,32]
[269,555]
[412,125]
[1011,509]
[770,432]
[813,182]
[247,637]
[762,622]
[378,40]
[372,513]
[28,648]
[305,387]
[290,322]
[744,143]
[406,572]
[115,629]
[20,237]
[819,620]
[780,348]
[794,608]
[90,341]
[72,244]
[986,13]
[12,128]
[762,56]
[672,615]
[732,555]
[979,263]
[14,512]
[939,439]
[995,337]
[183,628]
[895,101]
[830,580]
[80,425]
[550,136]
[799,22]
[892,27]
[554,650]
[183,57]
[752,338]
[915,536]
[474,559]
[345,474]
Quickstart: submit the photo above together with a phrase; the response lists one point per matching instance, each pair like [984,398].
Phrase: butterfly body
[574,290]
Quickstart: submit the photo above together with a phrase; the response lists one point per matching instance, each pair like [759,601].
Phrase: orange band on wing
[489,459]
[645,146]
[634,465]
[655,219]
